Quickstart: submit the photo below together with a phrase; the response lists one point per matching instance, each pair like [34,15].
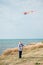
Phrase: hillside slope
[32,55]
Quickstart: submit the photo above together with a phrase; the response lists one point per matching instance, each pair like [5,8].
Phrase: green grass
[37,63]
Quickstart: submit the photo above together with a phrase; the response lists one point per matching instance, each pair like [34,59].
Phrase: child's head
[20,42]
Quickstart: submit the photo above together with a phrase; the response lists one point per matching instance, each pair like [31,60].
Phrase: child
[20,48]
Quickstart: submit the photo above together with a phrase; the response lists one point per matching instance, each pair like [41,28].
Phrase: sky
[15,25]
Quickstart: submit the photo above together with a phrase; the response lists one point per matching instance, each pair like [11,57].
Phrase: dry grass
[32,55]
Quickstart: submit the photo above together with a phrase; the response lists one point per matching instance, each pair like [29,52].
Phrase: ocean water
[12,43]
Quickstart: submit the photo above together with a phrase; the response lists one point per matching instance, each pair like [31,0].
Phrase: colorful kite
[29,12]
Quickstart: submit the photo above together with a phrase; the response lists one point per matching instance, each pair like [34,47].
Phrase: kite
[29,12]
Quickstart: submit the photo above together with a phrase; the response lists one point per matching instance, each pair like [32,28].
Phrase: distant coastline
[12,43]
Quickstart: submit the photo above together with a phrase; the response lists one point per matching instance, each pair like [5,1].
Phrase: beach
[32,55]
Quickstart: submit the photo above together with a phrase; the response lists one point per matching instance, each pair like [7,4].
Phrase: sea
[12,43]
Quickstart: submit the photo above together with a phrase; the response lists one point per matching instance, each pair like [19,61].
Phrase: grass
[32,55]
[37,63]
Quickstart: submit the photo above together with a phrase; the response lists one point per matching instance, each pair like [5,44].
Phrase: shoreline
[13,43]
[28,46]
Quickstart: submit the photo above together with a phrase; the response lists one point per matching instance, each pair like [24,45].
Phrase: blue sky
[14,24]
